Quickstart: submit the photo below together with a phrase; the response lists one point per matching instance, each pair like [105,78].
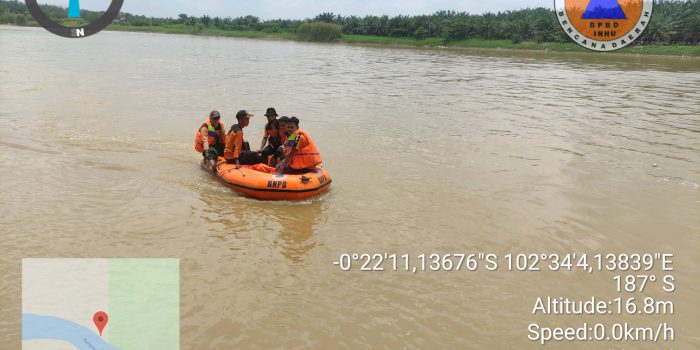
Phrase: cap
[270,112]
[214,114]
[242,114]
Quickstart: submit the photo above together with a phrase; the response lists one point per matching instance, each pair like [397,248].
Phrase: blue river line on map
[55,328]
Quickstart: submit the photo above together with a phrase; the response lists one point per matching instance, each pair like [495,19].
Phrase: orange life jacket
[263,168]
[307,157]
[215,136]
[230,152]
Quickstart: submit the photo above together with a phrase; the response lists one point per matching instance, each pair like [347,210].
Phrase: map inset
[100,304]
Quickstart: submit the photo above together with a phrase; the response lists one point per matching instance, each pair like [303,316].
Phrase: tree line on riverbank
[674,22]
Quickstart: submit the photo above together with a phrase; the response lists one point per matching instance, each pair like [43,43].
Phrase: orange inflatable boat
[266,186]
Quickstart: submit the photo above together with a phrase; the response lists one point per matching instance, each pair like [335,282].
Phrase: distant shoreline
[382,41]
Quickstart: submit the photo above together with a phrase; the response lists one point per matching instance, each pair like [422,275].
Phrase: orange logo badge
[604,25]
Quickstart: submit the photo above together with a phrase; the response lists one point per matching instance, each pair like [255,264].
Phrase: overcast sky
[300,9]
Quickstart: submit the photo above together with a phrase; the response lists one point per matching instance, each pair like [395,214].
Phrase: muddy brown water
[431,151]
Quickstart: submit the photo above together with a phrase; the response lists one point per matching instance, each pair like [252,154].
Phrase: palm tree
[74,9]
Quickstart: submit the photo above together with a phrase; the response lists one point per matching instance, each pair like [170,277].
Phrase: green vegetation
[200,30]
[319,31]
[55,13]
[386,40]
[671,50]
[20,19]
[74,22]
[674,30]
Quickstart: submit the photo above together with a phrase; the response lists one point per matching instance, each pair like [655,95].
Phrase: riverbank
[663,50]
[658,50]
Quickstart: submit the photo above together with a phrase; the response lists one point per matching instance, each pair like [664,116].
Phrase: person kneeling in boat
[284,136]
[303,156]
[210,139]
[288,136]
[237,151]
[272,140]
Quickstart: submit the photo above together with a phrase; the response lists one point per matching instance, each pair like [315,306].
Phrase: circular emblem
[604,25]
[74,12]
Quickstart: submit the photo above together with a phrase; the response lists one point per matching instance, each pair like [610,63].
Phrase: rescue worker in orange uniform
[272,140]
[271,115]
[287,134]
[210,139]
[283,128]
[237,151]
[281,151]
[303,156]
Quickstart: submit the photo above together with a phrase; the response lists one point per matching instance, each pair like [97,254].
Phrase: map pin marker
[100,320]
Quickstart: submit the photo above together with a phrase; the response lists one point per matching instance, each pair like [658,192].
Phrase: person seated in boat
[271,115]
[237,151]
[303,156]
[283,135]
[287,134]
[272,140]
[210,139]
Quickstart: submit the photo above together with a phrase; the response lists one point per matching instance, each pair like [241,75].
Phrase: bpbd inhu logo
[604,25]
[74,12]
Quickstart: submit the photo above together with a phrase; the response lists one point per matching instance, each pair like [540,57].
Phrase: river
[431,151]
[37,327]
